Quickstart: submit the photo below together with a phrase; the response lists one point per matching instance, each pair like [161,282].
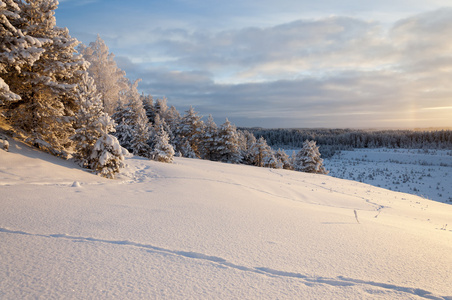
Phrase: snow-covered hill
[205,230]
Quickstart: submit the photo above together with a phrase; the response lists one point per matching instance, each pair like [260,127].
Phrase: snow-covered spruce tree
[209,141]
[308,159]
[133,130]
[189,133]
[162,151]
[107,156]
[48,87]
[228,143]
[109,79]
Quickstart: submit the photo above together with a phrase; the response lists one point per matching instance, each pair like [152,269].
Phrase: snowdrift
[201,230]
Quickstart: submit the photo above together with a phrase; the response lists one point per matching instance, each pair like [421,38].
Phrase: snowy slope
[202,230]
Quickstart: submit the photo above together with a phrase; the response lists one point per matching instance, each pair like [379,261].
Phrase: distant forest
[332,140]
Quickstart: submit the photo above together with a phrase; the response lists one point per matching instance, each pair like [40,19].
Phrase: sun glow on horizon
[438,108]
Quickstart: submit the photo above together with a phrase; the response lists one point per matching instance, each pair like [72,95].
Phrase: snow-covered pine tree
[124,127]
[172,119]
[162,150]
[160,123]
[86,124]
[262,155]
[169,116]
[161,108]
[270,161]
[17,50]
[308,159]
[94,147]
[246,142]
[153,130]
[209,142]
[148,105]
[228,143]
[108,156]
[48,87]
[189,132]
[187,151]
[109,79]
[140,138]
[283,159]
[242,144]
[133,130]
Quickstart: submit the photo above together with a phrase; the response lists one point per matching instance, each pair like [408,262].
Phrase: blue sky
[286,63]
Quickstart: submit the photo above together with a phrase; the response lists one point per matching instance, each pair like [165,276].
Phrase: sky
[283,64]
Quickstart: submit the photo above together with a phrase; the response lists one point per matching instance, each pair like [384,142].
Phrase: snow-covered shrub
[108,155]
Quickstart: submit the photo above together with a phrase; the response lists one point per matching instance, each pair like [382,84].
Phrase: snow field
[425,173]
[200,230]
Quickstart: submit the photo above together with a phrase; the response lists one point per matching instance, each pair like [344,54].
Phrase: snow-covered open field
[426,173]
[205,230]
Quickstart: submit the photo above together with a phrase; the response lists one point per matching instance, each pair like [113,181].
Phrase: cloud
[261,54]
[421,43]
[326,72]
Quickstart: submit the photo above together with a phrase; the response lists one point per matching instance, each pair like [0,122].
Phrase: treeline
[191,137]
[331,140]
